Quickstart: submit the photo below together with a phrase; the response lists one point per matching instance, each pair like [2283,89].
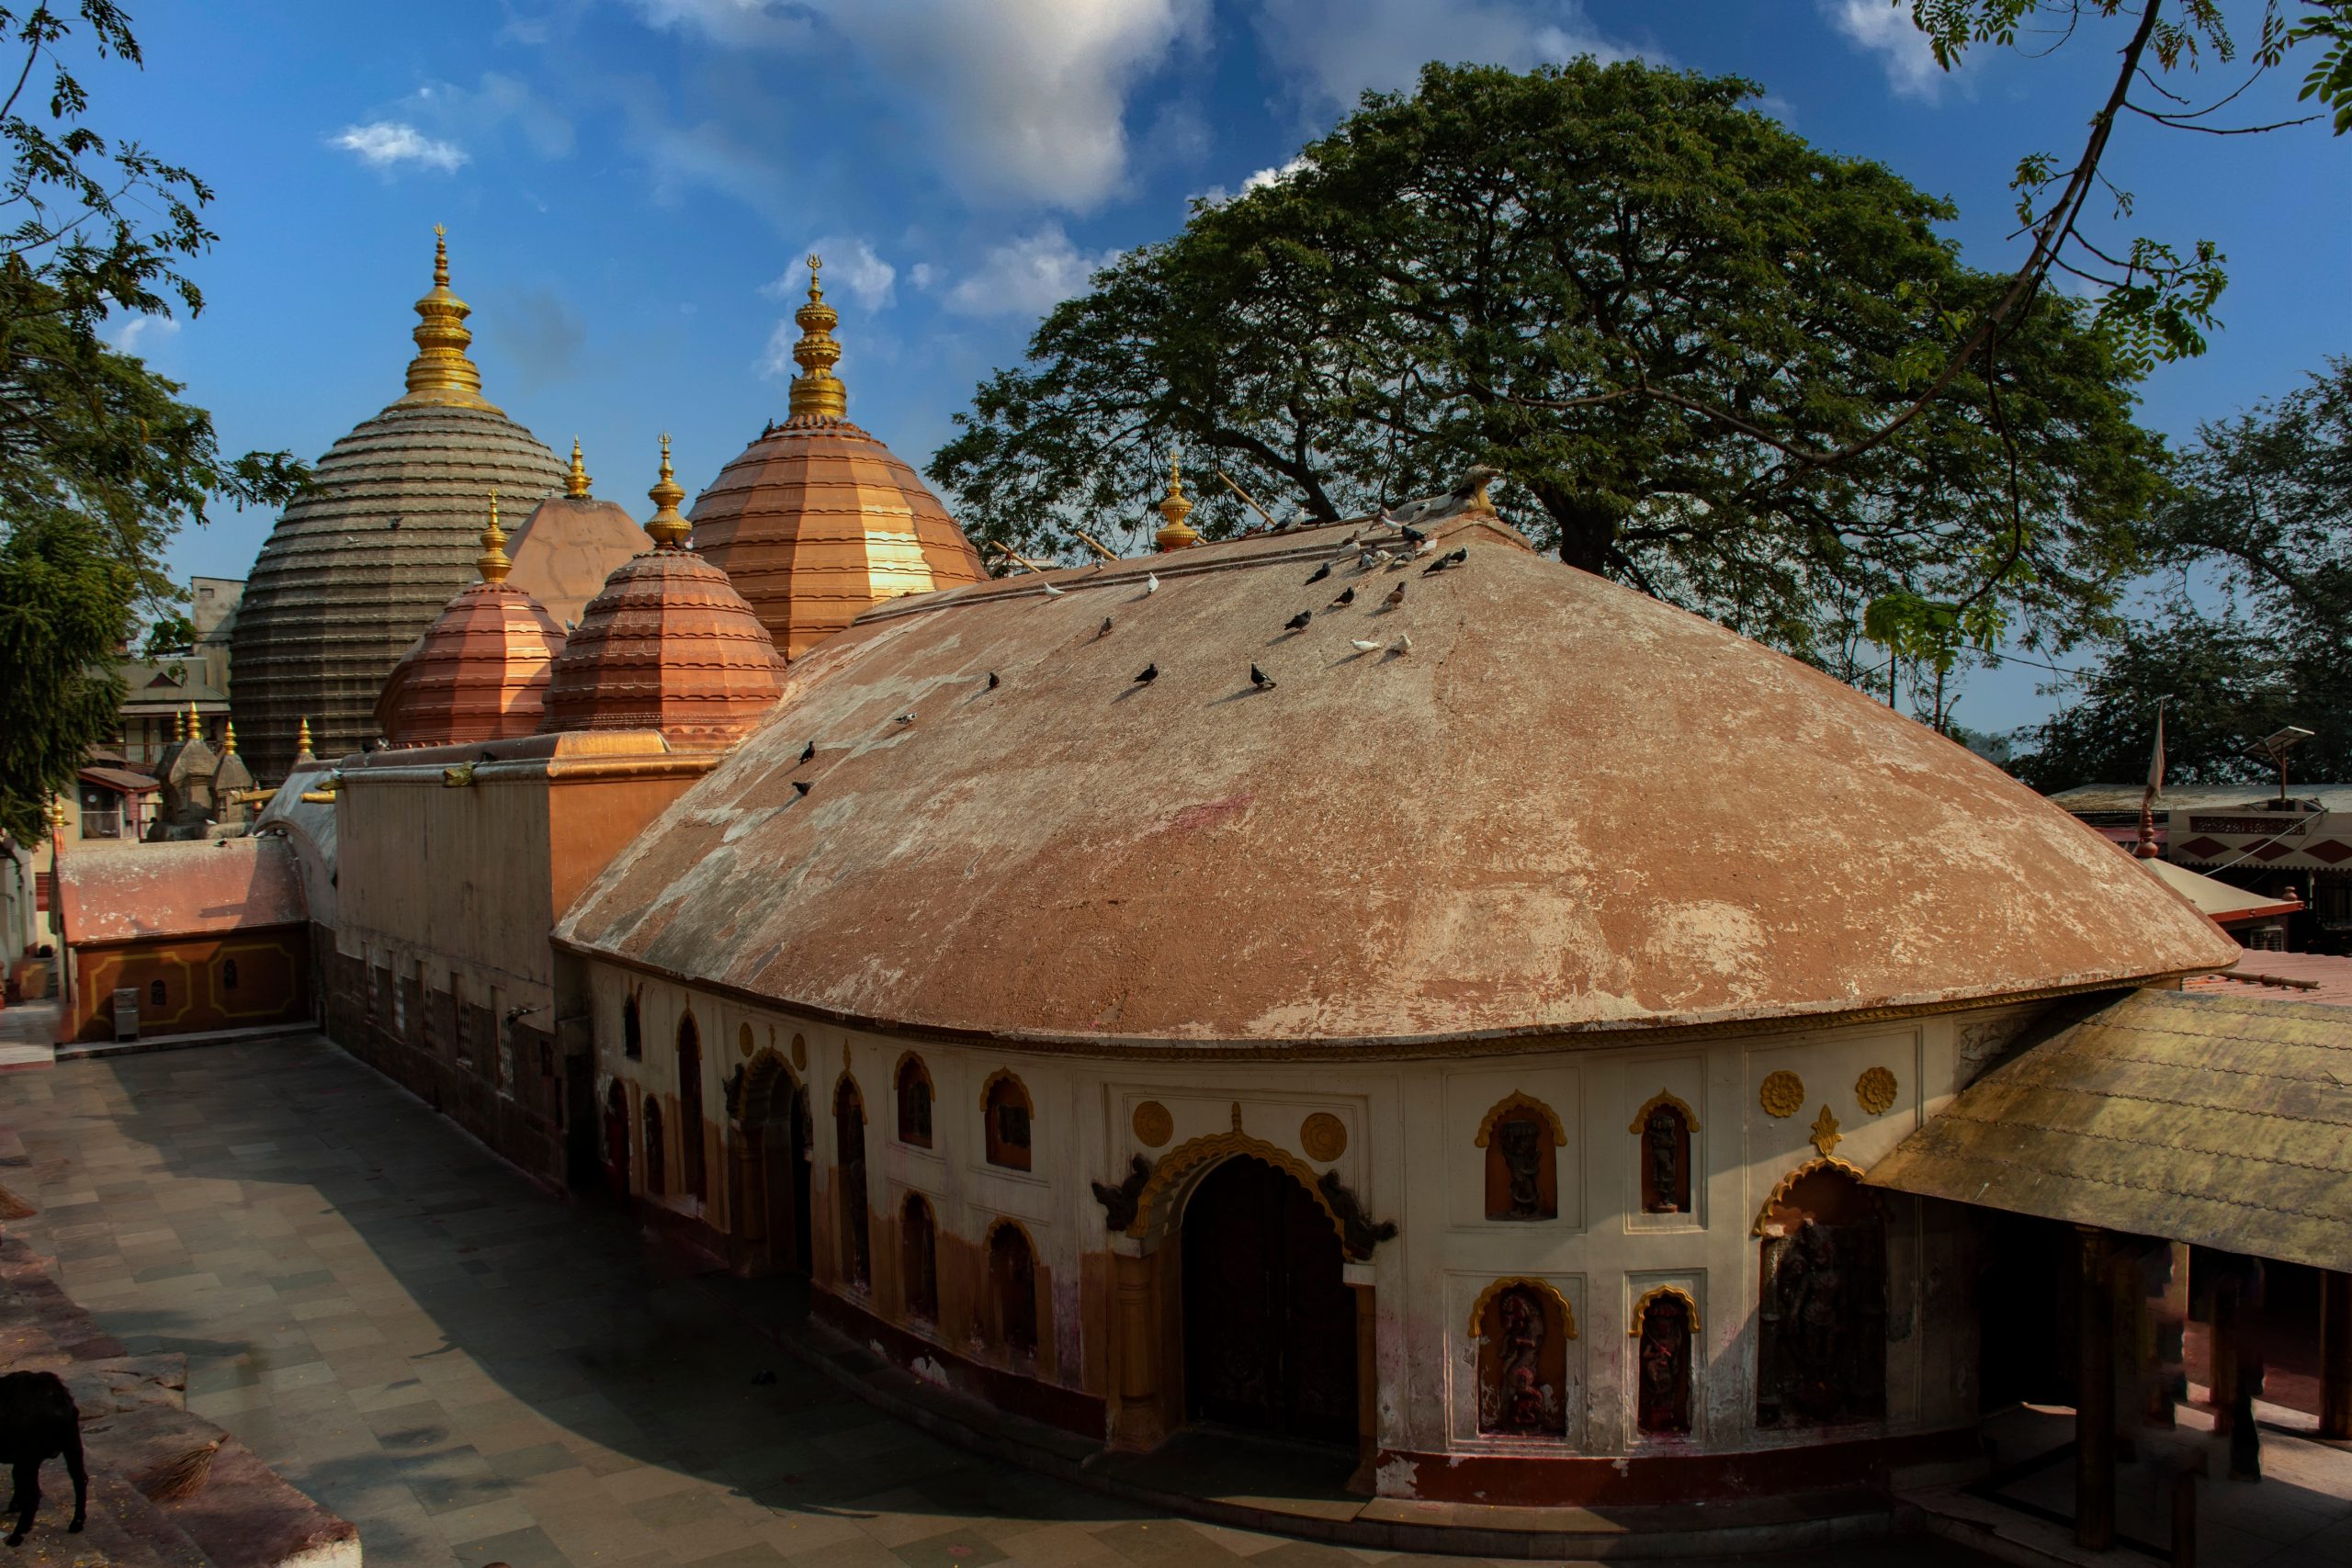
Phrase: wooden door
[1270,1325]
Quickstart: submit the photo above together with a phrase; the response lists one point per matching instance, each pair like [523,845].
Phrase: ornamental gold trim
[1005,1074]
[1787,1183]
[1541,1287]
[1197,1154]
[1662,1097]
[1152,1124]
[1874,1091]
[1689,1306]
[1781,1093]
[1825,1135]
[1324,1137]
[1516,1100]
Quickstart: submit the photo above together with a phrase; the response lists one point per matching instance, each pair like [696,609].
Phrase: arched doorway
[1270,1324]
[1821,1342]
[849,1178]
[694,1173]
[775,1132]
[616,1137]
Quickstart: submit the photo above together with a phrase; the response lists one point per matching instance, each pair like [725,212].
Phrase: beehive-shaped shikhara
[817,519]
[480,670]
[365,559]
[668,645]
[570,543]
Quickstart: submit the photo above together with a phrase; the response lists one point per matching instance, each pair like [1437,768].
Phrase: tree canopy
[2254,626]
[1649,306]
[100,460]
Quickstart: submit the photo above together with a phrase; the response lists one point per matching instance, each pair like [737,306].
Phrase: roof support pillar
[2335,1354]
[2093,1394]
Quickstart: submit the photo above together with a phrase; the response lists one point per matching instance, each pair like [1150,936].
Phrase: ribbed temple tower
[364,560]
[817,519]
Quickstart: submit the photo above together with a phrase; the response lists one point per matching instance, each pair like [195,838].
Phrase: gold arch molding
[1518,1101]
[1006,1075]
[1782,1188]
[1541,1287]
[1676,1292]
[1198,1156]
[1662,1097]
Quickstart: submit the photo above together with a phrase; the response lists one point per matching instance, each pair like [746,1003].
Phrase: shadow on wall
[481,1338]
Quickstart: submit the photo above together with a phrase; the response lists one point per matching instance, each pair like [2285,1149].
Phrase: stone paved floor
[472,1372]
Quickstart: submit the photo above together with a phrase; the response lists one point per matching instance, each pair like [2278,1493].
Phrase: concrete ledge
[80,1050]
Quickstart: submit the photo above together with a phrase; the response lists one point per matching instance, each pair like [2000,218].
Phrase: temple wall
[1406,1147]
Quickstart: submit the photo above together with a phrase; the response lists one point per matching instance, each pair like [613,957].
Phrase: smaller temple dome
[668,645]
[570,543]
[480,670]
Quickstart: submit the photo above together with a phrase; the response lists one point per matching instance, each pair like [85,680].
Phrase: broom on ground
[182,1477]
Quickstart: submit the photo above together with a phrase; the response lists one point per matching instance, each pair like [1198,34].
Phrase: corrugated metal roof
[2222,1120]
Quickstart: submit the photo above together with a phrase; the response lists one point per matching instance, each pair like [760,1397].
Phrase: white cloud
[1031,94]
[1028,275]
[1884,27]
[144,334]
[923,276]
[1336,50]
[385,144]
[850,265]
[497,100]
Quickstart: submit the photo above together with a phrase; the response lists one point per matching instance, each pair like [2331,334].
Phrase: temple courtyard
[474,1372]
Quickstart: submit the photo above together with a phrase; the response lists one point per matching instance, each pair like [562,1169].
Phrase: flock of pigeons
[1391,542]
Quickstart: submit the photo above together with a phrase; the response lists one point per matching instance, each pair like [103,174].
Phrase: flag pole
[2147,848]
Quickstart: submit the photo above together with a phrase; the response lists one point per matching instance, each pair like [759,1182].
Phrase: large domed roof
[817,519]
[480,670]
[365,559]
[667,645]
[1566,809]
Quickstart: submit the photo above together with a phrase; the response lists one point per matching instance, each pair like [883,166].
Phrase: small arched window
[1012,1282]
[1523,1139]
[914,1101]
[690,1151]
[657,1160]
[1006,1106]
[919,1257]
[156,993]
[632,1030]
[227,973]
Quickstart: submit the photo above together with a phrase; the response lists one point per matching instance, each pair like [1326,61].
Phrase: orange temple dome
[817,520]
[668,645]
[480,670]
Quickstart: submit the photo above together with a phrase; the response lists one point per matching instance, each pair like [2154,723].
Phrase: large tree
[2253,631]
[100,460]
[1648,305]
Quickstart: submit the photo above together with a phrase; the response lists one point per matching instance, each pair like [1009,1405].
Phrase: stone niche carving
[1982,1043]
[1822,1312]
[1523,1138]
[1523,1327]
[1665,1126]
[1665,1324]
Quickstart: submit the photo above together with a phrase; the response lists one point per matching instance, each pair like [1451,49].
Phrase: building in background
[2299,847]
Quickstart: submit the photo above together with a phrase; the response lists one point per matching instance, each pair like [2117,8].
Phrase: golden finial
[575,483]
[302,738]
[229,738]
[195,723]
[441,373]
[1176,534]
[669,529]
[180,724]
[492,561]
[817,392]
[57,812]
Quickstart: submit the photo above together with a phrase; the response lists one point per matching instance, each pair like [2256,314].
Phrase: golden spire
[195,723]
[817,392]
[492,561]
[575,482]
[1176,534]
[180,724]
[229,738]
[669,529]
[302,738]
[441,373]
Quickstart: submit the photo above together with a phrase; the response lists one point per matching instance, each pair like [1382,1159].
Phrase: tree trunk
[1588,529]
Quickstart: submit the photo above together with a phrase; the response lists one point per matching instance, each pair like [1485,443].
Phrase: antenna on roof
[2273,748]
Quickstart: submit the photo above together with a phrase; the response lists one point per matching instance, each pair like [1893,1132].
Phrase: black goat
[37,1421]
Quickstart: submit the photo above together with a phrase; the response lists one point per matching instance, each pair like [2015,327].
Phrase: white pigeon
[1363,646]
[1051,592]
[1424,548]
[1150,582]
[1403,643]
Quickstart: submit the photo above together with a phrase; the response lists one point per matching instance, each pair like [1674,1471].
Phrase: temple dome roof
[478,671]
[817,519]
[667,644]
[1569,810]
[570,544]
[368,555]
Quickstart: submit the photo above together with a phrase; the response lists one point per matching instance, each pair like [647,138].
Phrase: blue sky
[629,185]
